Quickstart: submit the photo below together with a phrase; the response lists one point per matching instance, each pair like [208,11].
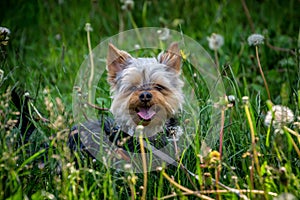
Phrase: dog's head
[145,91]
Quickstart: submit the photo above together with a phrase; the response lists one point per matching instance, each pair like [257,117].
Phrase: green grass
[47,46]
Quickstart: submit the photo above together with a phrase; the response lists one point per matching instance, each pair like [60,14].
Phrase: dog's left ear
[171,57]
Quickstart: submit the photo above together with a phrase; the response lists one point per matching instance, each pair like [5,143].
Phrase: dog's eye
[159,87]
[132,88]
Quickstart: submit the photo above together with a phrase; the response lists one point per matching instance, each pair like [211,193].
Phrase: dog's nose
[145,97]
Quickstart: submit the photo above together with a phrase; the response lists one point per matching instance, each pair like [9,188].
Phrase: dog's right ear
[116,61]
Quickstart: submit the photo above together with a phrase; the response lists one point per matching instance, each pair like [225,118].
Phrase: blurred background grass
[48,44]
[48,41]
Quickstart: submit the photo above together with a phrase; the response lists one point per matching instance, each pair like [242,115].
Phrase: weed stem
[139,37]
[292,132]
[88,29]
[144,165]
[291,139]
[252,138]
[220,149]
[261,72]
[216,58]
[184,188]
[245,7]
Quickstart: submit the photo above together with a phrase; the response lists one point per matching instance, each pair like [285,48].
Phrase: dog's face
[145,91]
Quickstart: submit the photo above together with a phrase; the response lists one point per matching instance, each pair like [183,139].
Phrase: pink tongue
[146,114]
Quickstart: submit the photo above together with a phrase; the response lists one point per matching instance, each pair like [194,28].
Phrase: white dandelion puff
[245,99]
[215,41]
[255,39]
[127,166]
[139,129]
[4,30]
[285,196]
[4,33]
[163,34]
[137,46]
[127,5]
[231,98]
[88,27]
[279,116]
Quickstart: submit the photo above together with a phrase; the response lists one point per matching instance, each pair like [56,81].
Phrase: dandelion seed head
[4,33]
[231,98]
[26,94]
[215,41]
[245,99]
[279,116]
[58,36]
[159,168]
[127,5]
[255,39]
[139,129]
[4,30]
[127,166]
[163,34]
[137,46]
[88,27]
[285,196]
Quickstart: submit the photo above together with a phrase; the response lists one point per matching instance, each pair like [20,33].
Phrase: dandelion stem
[252,174]
[217,174]
[268,137]
[121,27]
[139,37]
[280,48]
[37,112]
[132,191]
[216,57]
[292,132]
[245,7]
[196,193]
[252,138]
[144,165]
[91,62]
[261,72]
[261,192]
[220,148]
[292,140]
[221,132]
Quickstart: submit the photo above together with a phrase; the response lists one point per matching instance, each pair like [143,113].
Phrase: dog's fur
[145,91]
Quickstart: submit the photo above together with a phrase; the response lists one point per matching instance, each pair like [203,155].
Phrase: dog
[145,92]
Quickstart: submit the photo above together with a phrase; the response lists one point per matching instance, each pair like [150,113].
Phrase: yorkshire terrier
[145,91]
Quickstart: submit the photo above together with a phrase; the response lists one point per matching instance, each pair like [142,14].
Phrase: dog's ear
[116,61]
[171,57]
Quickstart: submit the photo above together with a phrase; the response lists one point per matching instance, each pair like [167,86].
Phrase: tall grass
[46,47]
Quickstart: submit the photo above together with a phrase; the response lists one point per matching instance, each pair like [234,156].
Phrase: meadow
[256,155]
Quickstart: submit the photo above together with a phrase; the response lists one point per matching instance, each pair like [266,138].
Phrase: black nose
[145,97]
